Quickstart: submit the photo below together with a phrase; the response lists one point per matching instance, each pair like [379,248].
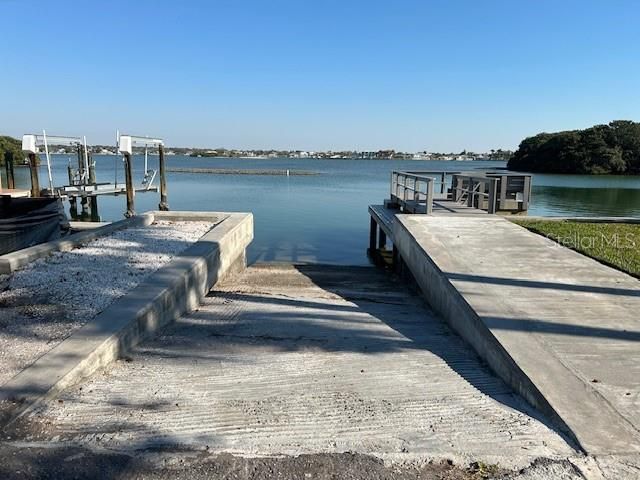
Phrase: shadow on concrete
[287,324]
[540,326]
[514,282]
[431,333]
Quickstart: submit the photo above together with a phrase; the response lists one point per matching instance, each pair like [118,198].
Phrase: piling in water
[164,205]
[92,170]
[128,170]
[8,165]
[33,169]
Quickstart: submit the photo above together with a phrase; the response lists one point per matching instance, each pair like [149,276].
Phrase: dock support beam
[382,239]
[33,169]
[93,205]
[8,165]
[163,206]
[128,172]
[73,208]
[84,207]
[373,233]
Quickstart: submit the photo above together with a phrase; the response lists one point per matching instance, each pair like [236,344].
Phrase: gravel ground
[32,462]
[49,299]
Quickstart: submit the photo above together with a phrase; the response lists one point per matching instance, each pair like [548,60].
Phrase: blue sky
[410,75]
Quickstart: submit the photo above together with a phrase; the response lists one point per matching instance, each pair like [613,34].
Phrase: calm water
[323,218]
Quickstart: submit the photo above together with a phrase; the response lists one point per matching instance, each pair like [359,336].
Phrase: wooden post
[128,173]
[373,229]
[33,169]
[73,207]
[163,206]
[8,165]
[93,204]
[84,207]
[81,161]
[70,172]
[92,170]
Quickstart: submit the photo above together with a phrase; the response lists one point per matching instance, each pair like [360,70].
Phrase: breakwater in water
[236,171]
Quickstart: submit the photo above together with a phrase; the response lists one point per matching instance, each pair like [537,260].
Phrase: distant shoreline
[235,171]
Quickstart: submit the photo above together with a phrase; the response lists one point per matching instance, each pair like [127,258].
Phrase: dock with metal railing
[560,328]
[447,193]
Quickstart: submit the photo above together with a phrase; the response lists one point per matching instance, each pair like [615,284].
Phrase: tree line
[10,145]
[601,149]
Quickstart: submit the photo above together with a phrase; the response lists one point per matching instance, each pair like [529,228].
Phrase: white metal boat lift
[82,180]
[126,143]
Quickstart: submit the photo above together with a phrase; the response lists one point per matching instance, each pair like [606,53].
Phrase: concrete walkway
[303,360]
[561,328]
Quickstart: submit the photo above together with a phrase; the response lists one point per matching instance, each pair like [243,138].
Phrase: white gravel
[49,299]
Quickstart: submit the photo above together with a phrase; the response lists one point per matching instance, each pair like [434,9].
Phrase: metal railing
[493,191]
[442,179]
[514,191]
[476,191]
[412,192]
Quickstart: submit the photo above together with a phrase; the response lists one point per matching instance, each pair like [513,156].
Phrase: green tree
[601,149]
[11,145]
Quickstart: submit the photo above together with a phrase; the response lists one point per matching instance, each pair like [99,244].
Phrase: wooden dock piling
[373,232]
[84,207]
[8,165]
[128,170]
[93,205]
[70,172]
[33,170]
[81,170]
[73,207]
[92,170]
[164,205]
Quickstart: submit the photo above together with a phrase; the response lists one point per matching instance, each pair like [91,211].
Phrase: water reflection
[551,200]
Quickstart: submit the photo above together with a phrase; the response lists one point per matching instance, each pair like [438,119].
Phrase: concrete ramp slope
[562,329]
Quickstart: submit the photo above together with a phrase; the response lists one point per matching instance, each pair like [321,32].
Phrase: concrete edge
[81,226]
[632,220]
[10,262]
[447,301]
[188,216]
[174,289]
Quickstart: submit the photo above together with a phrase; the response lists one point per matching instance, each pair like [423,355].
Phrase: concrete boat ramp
[305,360]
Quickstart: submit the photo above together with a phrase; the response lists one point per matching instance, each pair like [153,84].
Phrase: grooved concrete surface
[571,324]
[307,359]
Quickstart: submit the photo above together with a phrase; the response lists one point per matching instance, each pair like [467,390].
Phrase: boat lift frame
[30,144]
[125,147]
